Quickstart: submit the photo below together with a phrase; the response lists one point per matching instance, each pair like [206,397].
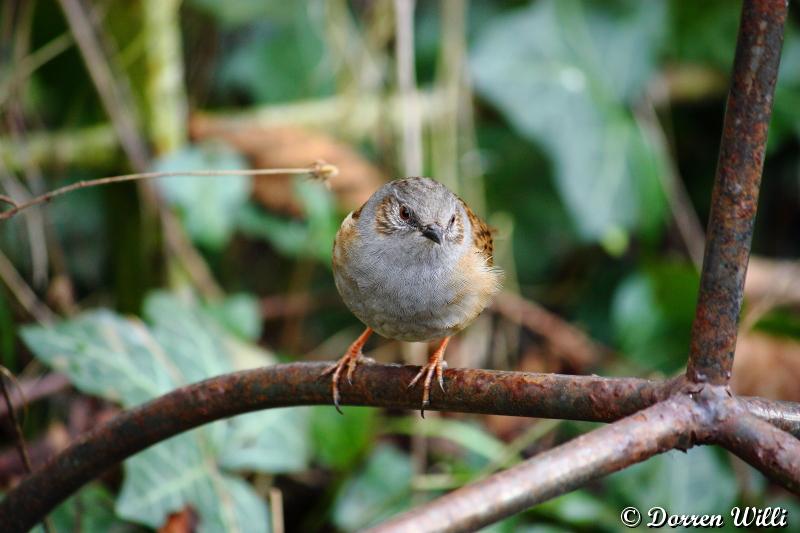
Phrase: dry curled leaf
[773,279]
[183,521]
[289,147]
[767,366]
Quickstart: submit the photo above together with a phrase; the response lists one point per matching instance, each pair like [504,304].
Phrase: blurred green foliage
[309,238]
[589,65]
[207,205]
[565,95]
[129,362]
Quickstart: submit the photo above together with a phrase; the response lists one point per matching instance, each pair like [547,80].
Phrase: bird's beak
[433,232]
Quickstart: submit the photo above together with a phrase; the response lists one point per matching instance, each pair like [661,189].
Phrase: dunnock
[414,263]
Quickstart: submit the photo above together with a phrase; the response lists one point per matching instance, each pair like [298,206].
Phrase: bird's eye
[452,220]
[405,213]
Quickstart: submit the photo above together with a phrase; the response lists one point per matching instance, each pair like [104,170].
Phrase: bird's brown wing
[481,235]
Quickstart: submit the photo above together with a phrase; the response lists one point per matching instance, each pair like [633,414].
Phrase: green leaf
[382,489]
[288,236]
[104,355]
[192,343]
[131,362]
[652,313]
[276,58]
[540,528]
[340,441]
[240,314]
[471,437]
[180,472]
[695,482]
[564,74]
[274,441]
[208,205]
[92,508]
[781,323]
[785,122]
[580,509]
[310,238]
[704,32]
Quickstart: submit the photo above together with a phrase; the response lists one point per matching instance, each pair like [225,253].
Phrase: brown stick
[734,199]
[564,338]
[476,391]
[35,389]
[115,100]
[12,415]
[319,170]
[657,429]
[23,292]
[769,449]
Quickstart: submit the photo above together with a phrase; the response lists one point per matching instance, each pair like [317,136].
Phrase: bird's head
[421,213]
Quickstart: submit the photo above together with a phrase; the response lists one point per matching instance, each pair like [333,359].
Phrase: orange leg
[350,359]
[435,365]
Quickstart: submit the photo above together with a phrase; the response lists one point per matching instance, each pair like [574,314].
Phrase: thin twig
[7,200]
[566,340]
[406,80]
[19,440]
[12,415]
[276,510]
[23,293]
[684,215]
[180,246]
[116,102]
[319,170]
[31,390]
[31,62]
[34,221]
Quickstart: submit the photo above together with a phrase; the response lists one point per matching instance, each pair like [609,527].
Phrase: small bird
[414,263]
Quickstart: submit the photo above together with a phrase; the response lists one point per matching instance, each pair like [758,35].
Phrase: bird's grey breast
[401,292]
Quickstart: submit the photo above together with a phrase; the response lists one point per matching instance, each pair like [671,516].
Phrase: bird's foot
[435,367]
[350,360]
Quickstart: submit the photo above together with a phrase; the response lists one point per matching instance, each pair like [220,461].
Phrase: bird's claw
[433,368]
[350,360]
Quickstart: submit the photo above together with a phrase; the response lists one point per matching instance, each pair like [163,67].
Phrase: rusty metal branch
[477,391]
[783,415]
[734,198]
[773,451]
[662,427]
[480,391]
[658,416]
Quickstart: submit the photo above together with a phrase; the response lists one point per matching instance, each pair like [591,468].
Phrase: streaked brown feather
[382,223]
[481,235]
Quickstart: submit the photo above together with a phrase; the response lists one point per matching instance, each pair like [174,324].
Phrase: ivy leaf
[564,74]
[275,441]
[207,205]
[652,313]
[240,314]
[696,482]
[128,361]
[91,509]
[382,489]
[312,237]
[341,441]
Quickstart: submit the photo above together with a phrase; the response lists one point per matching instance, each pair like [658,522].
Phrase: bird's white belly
[407,302]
